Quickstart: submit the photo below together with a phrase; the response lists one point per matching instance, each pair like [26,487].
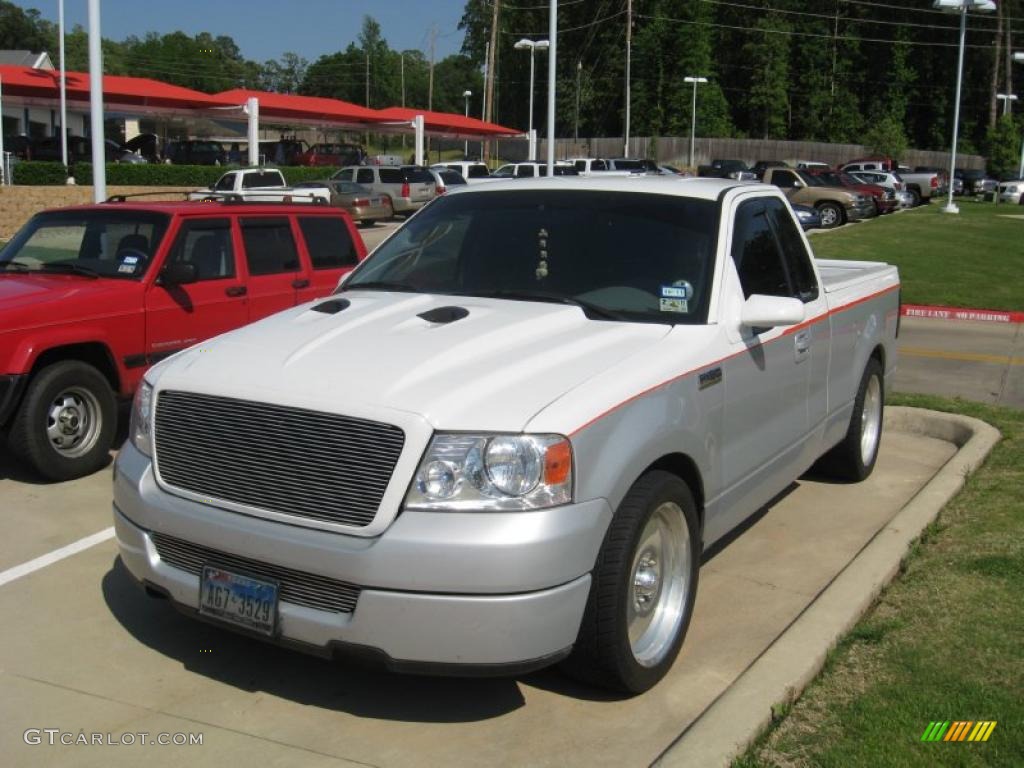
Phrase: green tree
[885,136]
[768,97]
[22,29]
[1003,144]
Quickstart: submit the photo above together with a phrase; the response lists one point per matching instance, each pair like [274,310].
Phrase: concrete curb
[786,667]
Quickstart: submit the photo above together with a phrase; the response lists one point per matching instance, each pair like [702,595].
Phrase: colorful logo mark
[958,730]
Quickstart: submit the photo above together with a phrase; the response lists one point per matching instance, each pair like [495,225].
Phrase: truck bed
[838,275]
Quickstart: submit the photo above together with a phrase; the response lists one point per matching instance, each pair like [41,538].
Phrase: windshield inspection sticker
[130,260]
[673,305]
[127,268]
[679,290]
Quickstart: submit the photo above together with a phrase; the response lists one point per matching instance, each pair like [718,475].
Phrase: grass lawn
[974,259]
[945,641]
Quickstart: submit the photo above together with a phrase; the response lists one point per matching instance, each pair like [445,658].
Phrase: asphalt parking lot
[84,650]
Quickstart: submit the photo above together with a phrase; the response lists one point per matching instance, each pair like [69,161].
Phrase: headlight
[140,428]
[493,472]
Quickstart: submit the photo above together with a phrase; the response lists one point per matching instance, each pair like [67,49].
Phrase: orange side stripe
[719,361]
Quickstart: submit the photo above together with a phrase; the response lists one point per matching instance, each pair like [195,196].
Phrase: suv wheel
[66,423]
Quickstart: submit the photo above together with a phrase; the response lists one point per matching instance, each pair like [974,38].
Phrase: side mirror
[760,311]
[178,273]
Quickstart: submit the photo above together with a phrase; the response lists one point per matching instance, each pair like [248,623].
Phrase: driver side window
[206,244]
[755,253]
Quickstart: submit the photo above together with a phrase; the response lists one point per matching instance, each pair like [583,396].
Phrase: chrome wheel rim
[658,585]
[871,420]
[73,422]
[828,216]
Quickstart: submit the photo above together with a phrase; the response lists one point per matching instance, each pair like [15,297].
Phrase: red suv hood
[33,300]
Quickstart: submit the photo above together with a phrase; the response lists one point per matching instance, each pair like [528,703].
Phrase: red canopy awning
[448,123]
[309,109]
[118,90]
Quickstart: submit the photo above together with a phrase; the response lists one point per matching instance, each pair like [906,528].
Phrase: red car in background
[328,154]
[885,199]
[92,295]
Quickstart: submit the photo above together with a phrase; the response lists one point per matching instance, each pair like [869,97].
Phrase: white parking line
[56,556]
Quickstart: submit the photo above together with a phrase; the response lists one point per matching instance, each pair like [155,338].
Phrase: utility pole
[492,50]
[367,79]
[63,88]
[430,87]
[576,131]
[403,92]
[629,53]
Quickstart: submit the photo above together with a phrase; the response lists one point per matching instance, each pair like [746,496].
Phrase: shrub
[150,175]
[38,173]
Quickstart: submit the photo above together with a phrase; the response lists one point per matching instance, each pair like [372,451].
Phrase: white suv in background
[471,170]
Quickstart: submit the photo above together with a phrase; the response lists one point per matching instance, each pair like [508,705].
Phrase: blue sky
[264,29]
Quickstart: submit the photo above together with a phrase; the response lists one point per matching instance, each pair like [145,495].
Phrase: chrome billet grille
[293,461]
[296,587]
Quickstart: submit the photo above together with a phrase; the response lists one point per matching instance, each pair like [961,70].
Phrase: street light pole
[693,114]
[1019,58]
[63,88]
[99,156]
[961,7]
[465,147]
[1006,98]
[532,46]
[552,71]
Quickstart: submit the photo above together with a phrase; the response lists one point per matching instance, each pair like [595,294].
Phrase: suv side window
[328,241]
[784,179]
[524,170]
[345,175]
[391,176]
[269,245]
[206,243]
[797,262]
[756,253]
[364,176]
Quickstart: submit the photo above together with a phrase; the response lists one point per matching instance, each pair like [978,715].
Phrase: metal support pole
[693,121]
[63,87]
[629,56]
[529,120]
[252,109]
[4,181]
[99,166]
[950,206]
[576,129]
[418,127]
[552,71]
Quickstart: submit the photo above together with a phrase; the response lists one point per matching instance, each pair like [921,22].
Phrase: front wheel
[642,589]
[831,215]
[66,424]
[854,458]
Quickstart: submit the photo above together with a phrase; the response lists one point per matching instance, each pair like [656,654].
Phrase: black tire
[603,654]
[915,197]
[847,460]
[91,408]
[831,213]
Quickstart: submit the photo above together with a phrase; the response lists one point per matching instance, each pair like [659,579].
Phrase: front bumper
[470,591]
[858,211]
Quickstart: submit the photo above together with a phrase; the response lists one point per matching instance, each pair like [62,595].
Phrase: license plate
[240,600]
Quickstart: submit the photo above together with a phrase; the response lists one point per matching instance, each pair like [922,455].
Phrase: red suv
[91,296]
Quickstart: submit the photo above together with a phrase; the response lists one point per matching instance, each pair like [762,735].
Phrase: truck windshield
[637,257]
[90,242]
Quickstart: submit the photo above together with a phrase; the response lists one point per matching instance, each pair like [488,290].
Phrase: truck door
[272,262]
[766,375]
[181,315]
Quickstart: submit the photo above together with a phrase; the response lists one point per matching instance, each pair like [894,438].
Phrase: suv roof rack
[123,198]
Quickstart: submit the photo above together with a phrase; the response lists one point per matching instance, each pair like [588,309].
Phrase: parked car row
[48,148]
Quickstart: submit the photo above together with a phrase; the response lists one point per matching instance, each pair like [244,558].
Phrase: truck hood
[30,300]
[492,369]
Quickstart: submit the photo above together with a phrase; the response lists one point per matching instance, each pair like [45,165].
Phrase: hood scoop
[444,315]
[332,306]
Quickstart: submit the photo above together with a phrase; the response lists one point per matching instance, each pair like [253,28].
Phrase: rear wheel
[66,424]
[854,458]
[915,197]
[831,215]
[642,589]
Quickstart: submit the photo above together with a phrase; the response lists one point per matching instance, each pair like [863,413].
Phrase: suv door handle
[300,283]
[236,290]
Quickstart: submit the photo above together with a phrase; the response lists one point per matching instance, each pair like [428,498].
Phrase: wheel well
[878,353]
[95,354]
[683,467]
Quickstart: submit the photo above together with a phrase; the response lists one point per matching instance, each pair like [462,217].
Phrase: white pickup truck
[264,185]
[507,438]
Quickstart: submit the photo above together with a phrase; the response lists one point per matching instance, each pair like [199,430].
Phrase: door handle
[236,290]
[801,344]
[300,283]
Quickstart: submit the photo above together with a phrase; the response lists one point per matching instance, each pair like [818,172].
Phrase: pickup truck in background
[921,187]
[264,185]
[508,437]
[91,296]
[727,169]
[837,205]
